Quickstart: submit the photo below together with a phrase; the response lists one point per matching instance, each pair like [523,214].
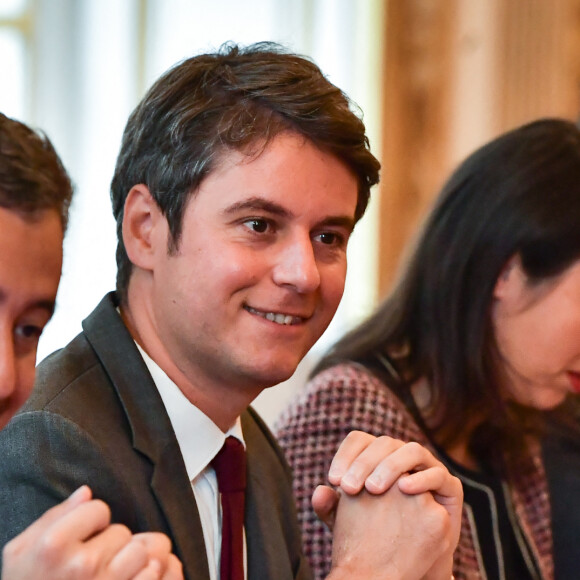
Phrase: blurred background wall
[433,78]
[457,73]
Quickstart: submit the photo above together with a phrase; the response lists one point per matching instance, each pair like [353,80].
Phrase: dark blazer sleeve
[45,457]
[73,431]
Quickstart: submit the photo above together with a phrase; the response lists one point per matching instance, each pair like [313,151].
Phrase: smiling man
[258,275]
[240,178]
[73,540]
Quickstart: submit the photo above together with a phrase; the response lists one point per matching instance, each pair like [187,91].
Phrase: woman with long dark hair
[481,334]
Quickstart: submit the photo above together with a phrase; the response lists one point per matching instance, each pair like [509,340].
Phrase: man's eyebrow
[48,305]
[260,204]
[342,221]
[257,203]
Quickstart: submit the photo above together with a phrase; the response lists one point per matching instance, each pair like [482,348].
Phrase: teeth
[284,319]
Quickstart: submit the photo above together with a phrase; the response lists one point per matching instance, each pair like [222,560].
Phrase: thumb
[324,502]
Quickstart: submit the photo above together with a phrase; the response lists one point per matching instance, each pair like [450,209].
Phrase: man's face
[260,266]
[30,265]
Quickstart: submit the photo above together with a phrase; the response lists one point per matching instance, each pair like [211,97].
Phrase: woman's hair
[519,194]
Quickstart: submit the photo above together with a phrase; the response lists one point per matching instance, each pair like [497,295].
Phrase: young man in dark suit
[240,178]
[74,539]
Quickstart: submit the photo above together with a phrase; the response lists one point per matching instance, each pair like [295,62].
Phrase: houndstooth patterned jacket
[347,397]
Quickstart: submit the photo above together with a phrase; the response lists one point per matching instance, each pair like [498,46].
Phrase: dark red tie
[230,469]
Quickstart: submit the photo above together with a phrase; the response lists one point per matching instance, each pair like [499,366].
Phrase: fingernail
[403,480]
[350,480]
[333,473]
[374,482]
[155,566]
[78,493]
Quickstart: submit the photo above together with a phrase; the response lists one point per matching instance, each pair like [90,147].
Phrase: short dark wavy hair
[231,99]
[32,176]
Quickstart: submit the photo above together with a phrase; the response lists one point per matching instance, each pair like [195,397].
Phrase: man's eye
[26,338]
[257,225]
[28,332]
[330,239]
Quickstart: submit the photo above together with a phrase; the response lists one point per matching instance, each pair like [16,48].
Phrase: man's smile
[277,317]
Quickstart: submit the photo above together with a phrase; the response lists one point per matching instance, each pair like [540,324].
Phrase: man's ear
[510,279]
[144,227]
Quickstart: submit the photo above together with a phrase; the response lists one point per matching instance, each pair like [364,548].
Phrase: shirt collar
[198,436]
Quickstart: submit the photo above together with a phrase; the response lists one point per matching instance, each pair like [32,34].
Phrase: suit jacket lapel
[180,509]
[151,431]
[267,521]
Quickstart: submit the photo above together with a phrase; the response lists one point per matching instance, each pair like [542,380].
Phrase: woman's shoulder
[349,394]
[348,375]
[354,380]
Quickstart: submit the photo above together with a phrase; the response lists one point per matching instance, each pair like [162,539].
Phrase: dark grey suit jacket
[95,417]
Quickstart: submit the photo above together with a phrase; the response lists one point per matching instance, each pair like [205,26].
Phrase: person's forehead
[273,152]
[281,170]
[15,218]
[30,251]
[250,151]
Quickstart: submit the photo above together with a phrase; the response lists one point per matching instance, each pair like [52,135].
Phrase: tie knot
[230,466]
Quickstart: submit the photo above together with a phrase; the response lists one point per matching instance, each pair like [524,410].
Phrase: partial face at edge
[537,328]
[260,267]
[30,267]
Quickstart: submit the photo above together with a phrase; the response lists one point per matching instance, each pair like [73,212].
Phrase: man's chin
[270,377]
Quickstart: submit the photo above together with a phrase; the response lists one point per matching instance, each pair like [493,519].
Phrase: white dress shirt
[200,439]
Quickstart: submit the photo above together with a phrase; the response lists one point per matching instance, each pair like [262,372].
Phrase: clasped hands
[395,511]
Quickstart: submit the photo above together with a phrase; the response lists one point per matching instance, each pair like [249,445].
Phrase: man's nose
[296,266]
